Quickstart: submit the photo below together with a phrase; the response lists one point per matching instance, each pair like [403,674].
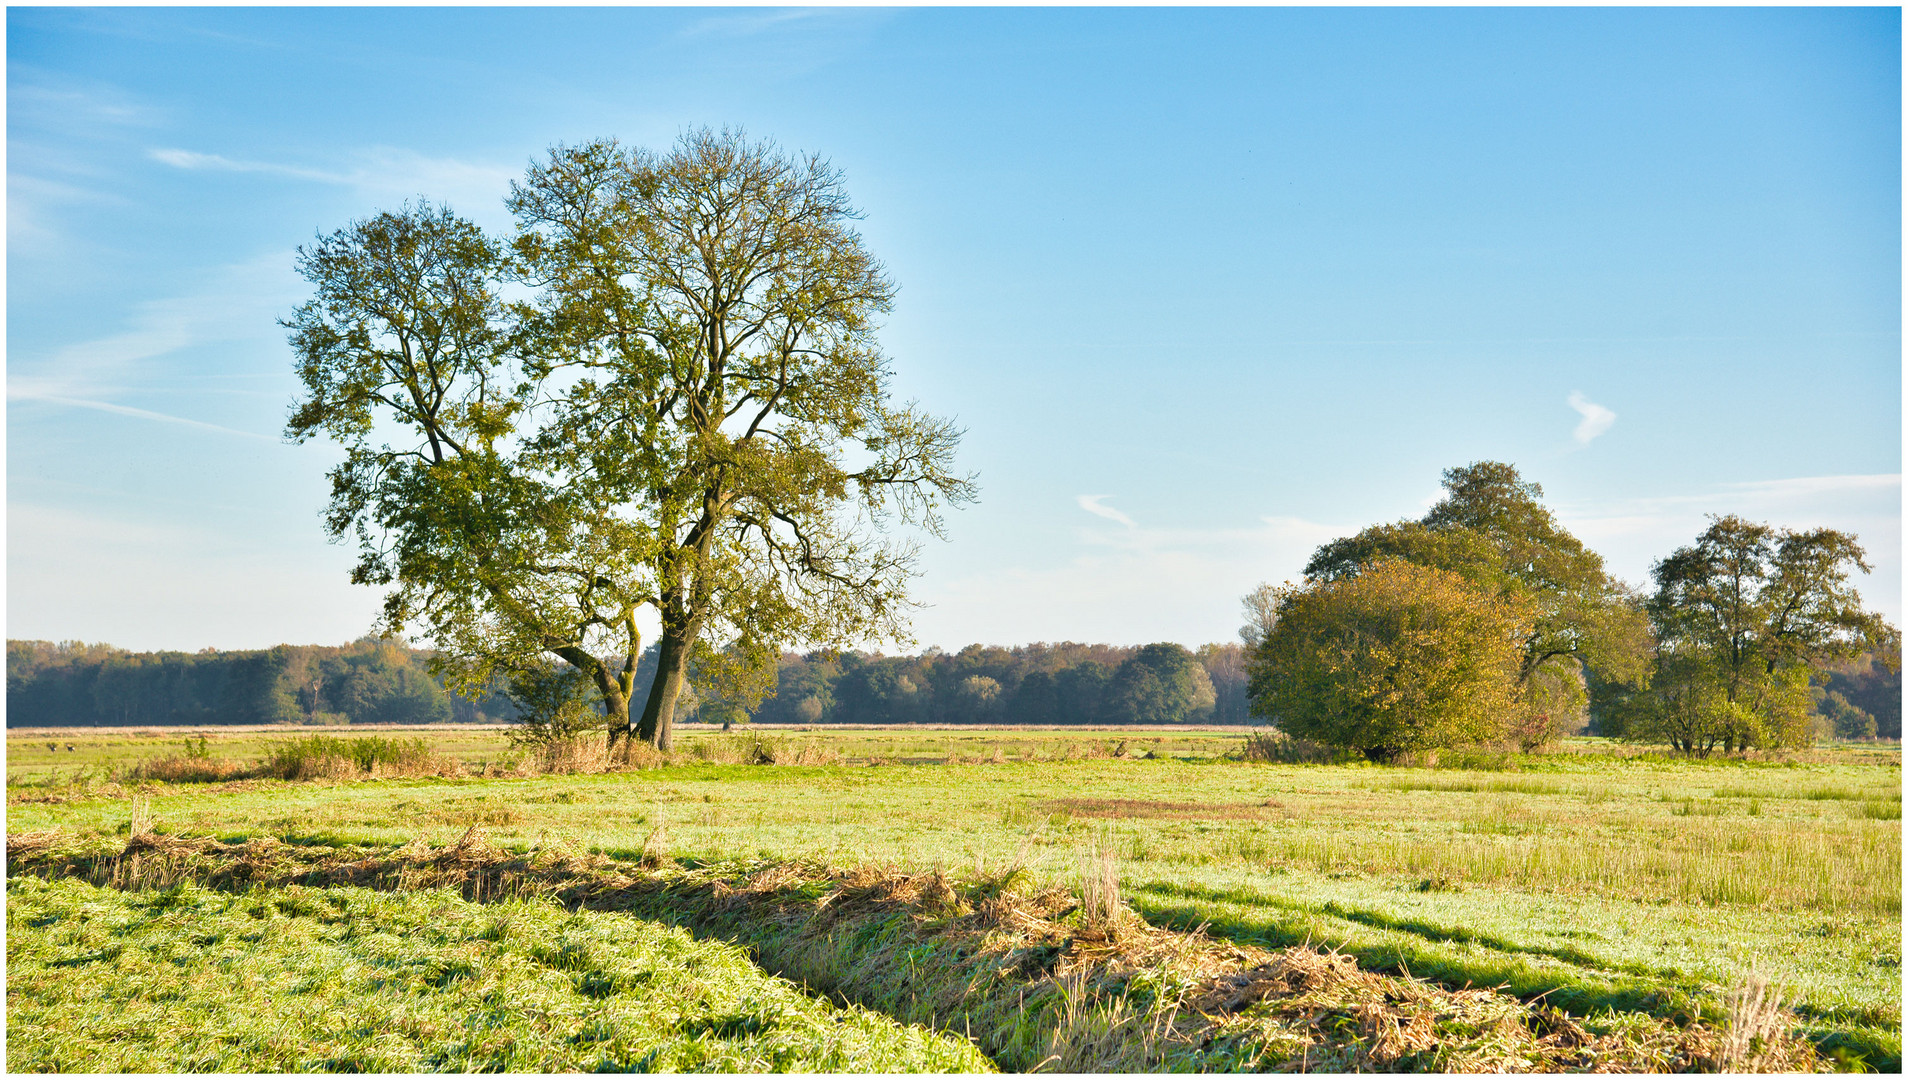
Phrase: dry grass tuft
[755,749]
[1101,910]
[182,769]
[1274,747]
[1755,1037]
[141,823]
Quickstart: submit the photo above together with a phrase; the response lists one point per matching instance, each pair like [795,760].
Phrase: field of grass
[1593,879]
[40,755]
[350,980]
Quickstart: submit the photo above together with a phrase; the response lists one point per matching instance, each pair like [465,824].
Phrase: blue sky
[1206,288]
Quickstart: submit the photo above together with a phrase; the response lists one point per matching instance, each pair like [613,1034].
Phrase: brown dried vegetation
[1020,969]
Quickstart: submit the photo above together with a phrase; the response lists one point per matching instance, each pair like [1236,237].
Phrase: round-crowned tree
[1160,684]
[1399,658]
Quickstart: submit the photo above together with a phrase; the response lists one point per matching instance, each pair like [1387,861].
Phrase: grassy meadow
[350,980]
[1596,880]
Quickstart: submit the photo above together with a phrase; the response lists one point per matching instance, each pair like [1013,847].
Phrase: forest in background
[373,681]
[369,681]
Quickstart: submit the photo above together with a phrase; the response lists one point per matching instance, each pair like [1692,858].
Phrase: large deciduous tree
[1398,657]
[1491,528]
[700,424]
[1743,617]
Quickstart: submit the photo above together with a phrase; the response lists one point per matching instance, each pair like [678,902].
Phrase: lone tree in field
[1743,618]
[1399,657]
[688,416]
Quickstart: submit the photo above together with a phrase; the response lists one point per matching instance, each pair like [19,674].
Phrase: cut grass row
[1021,971]
[344,979]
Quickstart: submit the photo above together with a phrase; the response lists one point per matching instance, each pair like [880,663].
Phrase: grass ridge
[1030,983]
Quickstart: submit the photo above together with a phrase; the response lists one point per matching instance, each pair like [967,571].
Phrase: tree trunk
[657,726]
[683,611]
[616,718]
[615,702]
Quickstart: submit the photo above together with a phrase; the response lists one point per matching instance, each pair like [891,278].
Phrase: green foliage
[367,681]
[553,704]
[1491,529]
[698,365]
[1871,683]
[1743,618]
[347,980]
[1847,720]
[1061,683]
[1161,683]
[1396,658]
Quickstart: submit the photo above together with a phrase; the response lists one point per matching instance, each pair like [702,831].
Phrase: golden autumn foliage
[1398,658]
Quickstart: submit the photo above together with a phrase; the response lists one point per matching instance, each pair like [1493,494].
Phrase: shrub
[324,756]
[552,705]
[1398,658]
[1274,747]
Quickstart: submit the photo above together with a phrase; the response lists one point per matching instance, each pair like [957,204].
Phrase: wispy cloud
[1092,505]
[378,172]
[1132,585]
[203,575]
[237,303]
[746,25]
[1596,419]
[42,103]
[1633,533]
[187,159]
[34,205]
[29,394]
[233,303]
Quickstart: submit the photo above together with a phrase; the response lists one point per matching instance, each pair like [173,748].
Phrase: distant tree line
[366,682]
[1861,698]
[1064,683]
[376,681]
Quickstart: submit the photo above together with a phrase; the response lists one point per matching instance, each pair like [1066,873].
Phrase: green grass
[1598,877]
[42,755]
[1029,974]
[349,980]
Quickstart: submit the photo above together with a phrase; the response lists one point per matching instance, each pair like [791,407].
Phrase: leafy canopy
[1742,618]
[1491,528]
[1398,657]
[687,414]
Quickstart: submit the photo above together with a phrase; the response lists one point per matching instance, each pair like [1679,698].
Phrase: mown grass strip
[296,979]
[1015,969]
[1579,984]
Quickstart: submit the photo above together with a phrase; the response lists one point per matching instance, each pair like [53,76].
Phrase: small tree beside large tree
[1492,529]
